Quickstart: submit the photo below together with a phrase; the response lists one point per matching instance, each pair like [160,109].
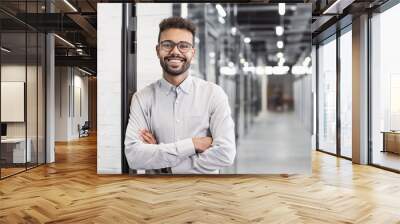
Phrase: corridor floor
[276,143]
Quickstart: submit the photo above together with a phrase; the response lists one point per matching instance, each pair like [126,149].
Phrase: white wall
[61,103]
[149,16]
[109,23]
[81,103]
[67,114]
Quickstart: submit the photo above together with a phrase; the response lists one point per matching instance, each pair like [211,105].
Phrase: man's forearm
[214,158]
[156,156]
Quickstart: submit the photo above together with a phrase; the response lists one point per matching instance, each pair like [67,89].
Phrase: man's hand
[202,144]
[147,137]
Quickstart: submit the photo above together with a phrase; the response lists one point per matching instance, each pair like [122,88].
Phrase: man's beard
[168,68]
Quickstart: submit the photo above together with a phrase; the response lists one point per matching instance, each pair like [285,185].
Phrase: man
[179,124]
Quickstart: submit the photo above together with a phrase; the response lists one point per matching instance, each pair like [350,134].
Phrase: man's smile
[175,61]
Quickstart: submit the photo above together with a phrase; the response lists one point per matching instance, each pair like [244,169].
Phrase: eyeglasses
[168,45]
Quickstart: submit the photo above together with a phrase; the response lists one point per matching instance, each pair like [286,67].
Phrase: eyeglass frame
[175,45]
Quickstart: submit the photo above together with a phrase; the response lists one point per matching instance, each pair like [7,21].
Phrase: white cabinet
[18,149]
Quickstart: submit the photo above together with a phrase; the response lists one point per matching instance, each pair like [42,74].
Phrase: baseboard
[109,171]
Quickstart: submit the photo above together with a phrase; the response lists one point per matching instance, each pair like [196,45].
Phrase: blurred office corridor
[261,57]
[276,143]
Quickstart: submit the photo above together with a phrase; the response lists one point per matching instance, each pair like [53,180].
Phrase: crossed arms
[207,153]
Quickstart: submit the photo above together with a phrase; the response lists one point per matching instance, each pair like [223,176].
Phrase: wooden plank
[70,191]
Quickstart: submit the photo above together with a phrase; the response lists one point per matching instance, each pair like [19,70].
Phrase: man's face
[175,61]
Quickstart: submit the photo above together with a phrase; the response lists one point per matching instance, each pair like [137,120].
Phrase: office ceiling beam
[86,27]
[82,61]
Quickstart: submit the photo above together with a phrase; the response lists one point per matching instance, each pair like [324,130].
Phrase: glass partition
[22,90]
[41,106]
[31,100]
[14,153]
[346,93]
[327,96]
[385,89]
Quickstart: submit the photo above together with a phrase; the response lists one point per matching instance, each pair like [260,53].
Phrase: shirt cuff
[185,147]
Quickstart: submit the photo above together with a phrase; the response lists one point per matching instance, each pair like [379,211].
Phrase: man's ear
[157,50]
[193,52]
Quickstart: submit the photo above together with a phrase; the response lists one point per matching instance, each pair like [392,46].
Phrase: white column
[50,99]
[109,25]
[360,90]
[314,98]
[264,99]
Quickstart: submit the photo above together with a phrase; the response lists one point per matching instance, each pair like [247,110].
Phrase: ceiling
[78,24]
[259,22]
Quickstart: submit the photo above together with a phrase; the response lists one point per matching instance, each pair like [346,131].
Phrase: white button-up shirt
[196,108]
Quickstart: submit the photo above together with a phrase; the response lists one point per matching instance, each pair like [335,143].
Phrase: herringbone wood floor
[70,191]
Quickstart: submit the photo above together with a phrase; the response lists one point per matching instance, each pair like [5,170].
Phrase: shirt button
[177,121]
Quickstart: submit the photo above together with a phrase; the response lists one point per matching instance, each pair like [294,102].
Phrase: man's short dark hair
[177,23]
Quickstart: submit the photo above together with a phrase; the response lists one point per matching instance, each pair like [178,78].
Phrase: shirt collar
[186,86]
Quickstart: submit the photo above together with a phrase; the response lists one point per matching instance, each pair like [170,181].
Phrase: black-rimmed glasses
[168,45]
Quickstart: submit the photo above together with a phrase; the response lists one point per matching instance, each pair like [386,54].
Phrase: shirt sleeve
[223,150]
[151,156]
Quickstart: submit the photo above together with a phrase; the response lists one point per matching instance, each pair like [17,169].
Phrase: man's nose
[175,50]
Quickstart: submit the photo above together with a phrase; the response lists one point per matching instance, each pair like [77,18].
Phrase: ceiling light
[64,40]
[233,31]
[251,69]
[220,10]
[307,61]
[211,54]
[231,64]
[269,70]
[5,50]
[279,55]
[279,44]
[225,70]
[280,70]
[299,70]
[279,30]
[260,70]
[84,71]
[70,5]
[281,9]
[247,40]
